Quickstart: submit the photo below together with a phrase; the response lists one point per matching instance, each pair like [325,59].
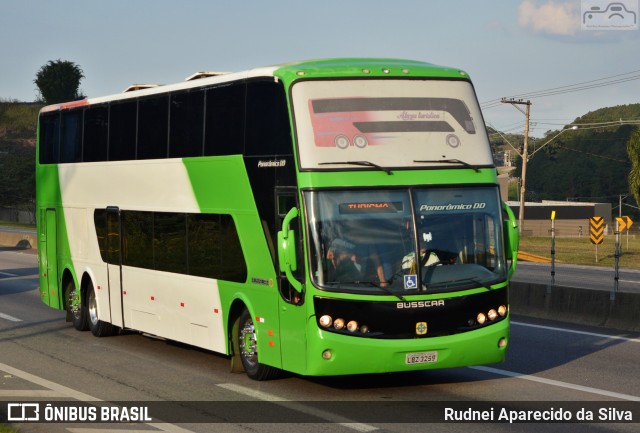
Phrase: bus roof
[324,68]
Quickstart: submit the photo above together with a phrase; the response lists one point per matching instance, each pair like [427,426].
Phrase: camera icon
[613,16]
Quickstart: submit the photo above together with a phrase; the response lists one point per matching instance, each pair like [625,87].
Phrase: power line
[584,85]
[591,154]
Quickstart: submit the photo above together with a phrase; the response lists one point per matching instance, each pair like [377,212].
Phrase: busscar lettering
[420,304]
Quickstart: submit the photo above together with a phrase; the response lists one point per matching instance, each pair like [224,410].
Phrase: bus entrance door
[114,267]
[292,302]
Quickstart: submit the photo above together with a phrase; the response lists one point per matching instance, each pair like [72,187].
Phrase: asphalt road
[586,277]
[557,369]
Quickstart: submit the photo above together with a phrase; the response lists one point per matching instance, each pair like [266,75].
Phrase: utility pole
[525,155]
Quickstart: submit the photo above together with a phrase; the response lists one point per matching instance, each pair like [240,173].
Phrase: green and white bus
[323,217]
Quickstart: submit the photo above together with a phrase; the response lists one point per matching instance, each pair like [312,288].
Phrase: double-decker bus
[322,217]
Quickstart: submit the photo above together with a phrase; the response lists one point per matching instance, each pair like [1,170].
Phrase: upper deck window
[392,123]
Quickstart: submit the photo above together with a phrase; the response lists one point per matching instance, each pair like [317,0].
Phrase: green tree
[59,81]
[633,149]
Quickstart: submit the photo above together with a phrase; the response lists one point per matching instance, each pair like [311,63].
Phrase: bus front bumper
[339,354]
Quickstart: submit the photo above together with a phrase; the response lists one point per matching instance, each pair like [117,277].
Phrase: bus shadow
[28,280]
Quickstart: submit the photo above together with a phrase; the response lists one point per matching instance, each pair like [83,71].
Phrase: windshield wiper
[472,280]
[375,284]
[448,161]
[360,163]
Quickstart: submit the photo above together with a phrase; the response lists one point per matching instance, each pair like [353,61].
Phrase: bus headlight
[338,323]
[492,314]
[481,318]
[502,310]
[352,326]
[325,321]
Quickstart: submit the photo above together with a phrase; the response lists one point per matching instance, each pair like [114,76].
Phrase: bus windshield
[405,241]
[391,123]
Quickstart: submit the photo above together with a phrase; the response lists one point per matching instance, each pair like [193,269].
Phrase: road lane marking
[29,393]
[9,318]
[64,391]
[558,383]
[572,331]
[298,406]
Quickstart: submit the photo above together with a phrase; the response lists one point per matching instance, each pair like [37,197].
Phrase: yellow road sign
[596,230]
[624,223]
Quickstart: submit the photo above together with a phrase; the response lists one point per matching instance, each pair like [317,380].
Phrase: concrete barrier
[576,305]
[18,239]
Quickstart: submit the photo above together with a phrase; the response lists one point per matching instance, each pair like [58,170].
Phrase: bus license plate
[421,358]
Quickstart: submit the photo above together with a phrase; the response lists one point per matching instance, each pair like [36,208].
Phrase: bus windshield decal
[403,126]
[451,206]
[377,207]
[390,123]
[408,109]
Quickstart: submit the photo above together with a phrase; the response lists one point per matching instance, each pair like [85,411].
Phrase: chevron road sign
[624,223]
[596,229]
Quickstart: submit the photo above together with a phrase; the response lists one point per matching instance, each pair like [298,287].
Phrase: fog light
[481,318]
[352,326]
[502,343]
[326,321]
[502,310]
[338,323]
[326,354]
[492,314]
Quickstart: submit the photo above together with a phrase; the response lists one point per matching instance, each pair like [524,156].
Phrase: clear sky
[508,47]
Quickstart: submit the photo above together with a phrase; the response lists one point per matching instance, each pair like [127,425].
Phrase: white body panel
[179,307]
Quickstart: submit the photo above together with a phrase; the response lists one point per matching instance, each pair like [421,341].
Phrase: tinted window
[153,122]
[187,119]
[205,245]
[71,134]
[267,129]
[96,129]
[100,221]
[49,137]
[170,250]
[214,248]
[224,129]
[122,131]
[137,231]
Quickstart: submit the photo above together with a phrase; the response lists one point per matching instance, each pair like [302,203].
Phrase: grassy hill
[18,122]
[17,153]
[590,164]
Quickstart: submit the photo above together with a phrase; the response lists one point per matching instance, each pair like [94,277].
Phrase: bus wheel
[76,308]
[248,350]
[360,141]
[342,141]
[97,326]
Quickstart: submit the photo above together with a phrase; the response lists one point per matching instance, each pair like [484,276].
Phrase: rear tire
[247,345]
[76,307]
[97,326]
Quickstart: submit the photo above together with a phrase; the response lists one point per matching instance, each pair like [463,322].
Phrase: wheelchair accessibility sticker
[410,282]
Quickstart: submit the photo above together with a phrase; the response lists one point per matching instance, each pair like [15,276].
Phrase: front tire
[247,345]
[97,326]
